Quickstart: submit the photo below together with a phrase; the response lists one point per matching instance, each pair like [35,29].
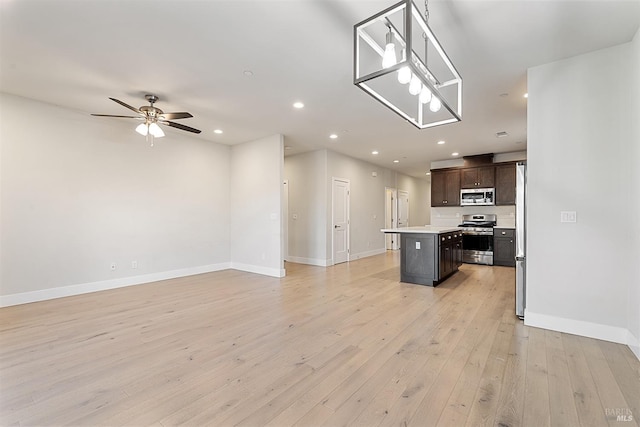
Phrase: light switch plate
[417,245]
[568,216]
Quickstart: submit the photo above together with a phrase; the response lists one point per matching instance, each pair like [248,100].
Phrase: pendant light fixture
[424,66]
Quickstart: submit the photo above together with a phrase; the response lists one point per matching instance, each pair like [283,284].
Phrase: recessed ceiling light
[298,105]
[455,154]
[374,153]
[526,95]
[396,161]
[501,134]
[218,131]
[333,136]
[428,173]
[441,142]
[248,73]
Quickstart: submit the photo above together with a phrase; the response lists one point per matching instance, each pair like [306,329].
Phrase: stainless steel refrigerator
[521,238]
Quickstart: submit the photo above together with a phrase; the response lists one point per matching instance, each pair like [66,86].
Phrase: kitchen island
[428,254]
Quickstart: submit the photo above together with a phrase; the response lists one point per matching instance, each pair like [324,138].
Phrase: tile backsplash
[452,215]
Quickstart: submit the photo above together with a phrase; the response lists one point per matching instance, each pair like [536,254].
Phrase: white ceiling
[193,55]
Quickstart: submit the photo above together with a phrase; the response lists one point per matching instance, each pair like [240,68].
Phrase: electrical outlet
[113,266]
[134,264]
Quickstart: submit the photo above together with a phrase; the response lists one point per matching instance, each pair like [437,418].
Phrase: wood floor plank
[485,404]
[561,399]
[611,396]
[585,394]
[511,402]
[341,345]
[625,372]
[536,392]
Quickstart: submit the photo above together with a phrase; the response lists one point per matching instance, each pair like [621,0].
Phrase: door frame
[285,219]
[391,206]
[348,203]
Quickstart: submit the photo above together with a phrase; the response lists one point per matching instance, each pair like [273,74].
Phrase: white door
[340,220]
[403,209]
[390,218]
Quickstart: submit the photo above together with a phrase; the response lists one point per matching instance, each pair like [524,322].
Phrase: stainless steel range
[477,238]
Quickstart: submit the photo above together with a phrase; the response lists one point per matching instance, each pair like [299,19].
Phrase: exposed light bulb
[389,58]
[404,75]
[415,86]
[425,95]
[435,104]
[155,130]
[142,129]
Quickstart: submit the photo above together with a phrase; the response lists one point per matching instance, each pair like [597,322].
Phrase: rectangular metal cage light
[418,80]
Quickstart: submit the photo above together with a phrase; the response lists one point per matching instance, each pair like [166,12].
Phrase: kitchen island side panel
[419,258]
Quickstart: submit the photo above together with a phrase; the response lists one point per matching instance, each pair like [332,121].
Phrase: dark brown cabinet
[504,247]
[445,188]
[429,258]
[480,177]
[506,184]
[450,253]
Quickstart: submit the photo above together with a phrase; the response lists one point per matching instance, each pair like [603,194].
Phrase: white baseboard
[578,327]
[365,254]
[85,288]
[329,262]
[266,271]
[309,261]
[634,344]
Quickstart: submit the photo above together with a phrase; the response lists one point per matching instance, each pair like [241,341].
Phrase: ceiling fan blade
[126,105]
[173,116]
[111,115]
[179,126]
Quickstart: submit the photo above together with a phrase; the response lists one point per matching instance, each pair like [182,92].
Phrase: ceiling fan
[152,117]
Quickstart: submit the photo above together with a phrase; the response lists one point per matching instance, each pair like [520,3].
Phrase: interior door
[403,209]
[340,220]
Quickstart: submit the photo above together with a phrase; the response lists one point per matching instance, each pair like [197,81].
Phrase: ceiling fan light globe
[155,130]
[142,129]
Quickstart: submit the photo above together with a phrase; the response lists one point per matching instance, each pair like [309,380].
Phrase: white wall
[310,179]
[78,193]
[308,202]
[580,138]
[256,205]
[419,198]
[633,300]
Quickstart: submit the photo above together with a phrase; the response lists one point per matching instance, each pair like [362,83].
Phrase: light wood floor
[345,345]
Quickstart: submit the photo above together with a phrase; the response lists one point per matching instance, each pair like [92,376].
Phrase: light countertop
[426,229]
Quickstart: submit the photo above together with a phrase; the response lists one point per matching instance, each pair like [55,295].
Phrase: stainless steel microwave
[477,197]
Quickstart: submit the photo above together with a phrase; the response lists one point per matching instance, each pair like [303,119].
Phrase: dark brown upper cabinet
[506,184]
[478,177]
[445,188]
